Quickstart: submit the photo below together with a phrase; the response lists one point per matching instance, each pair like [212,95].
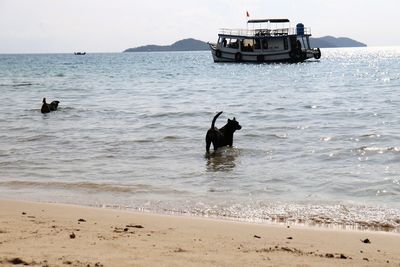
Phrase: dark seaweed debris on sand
[134,226]
[17,261]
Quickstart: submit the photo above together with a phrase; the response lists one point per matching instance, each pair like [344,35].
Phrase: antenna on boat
[247,19]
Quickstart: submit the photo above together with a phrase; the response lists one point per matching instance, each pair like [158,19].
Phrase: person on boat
[265,44]
[249,48]
[298,45]
[233,44]
[242,46]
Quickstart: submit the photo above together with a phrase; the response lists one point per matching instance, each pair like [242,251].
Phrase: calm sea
[320,141]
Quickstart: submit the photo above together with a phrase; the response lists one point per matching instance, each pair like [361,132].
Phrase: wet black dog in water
[46,108]
[221,137]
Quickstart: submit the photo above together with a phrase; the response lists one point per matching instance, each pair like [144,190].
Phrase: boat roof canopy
[268,20]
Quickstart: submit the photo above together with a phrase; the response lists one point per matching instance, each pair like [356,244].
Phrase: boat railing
[263,32]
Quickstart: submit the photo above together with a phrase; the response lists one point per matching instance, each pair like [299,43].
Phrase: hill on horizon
[332,42]
[191,44]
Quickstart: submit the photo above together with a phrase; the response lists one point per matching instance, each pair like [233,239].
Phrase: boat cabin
[268,40]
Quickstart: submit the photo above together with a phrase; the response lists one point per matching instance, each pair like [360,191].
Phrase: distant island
[182,45]
[197,45]
[332,42]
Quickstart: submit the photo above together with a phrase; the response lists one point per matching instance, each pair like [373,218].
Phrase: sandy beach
[38,234]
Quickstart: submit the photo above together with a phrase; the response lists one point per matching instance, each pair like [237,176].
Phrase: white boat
[270,40]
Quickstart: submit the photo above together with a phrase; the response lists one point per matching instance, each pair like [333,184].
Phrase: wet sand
[38,234]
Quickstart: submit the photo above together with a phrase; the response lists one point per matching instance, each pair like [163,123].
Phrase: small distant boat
[272,41]
[80,53]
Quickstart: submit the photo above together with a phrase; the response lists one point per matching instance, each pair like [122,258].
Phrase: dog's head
[44,100]
[234,124]
[55,103]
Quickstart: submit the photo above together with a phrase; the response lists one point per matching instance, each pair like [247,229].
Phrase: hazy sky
[39,26]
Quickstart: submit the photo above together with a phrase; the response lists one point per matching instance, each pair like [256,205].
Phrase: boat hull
[220,55]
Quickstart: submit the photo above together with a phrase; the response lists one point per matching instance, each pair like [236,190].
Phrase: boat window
[265,44]
[292,42]
[257,44]
[233,43]
[275,44]
[223,42]
[247,45]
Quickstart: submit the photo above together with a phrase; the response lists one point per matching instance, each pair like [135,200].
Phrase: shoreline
[336,216]
[43,234]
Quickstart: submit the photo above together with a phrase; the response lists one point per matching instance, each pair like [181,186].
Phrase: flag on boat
[247,14]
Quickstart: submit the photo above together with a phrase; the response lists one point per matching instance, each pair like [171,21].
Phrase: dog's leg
[208,144]
[230,141]
[215,145]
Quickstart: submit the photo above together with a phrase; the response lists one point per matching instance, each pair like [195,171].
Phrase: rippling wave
[319,141]
[87,186]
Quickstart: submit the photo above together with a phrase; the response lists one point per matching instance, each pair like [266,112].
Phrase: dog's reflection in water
[222,160]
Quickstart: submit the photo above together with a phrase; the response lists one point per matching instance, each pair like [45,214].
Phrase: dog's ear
[229,120]
[234,119]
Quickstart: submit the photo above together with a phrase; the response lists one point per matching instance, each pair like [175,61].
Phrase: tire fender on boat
[238,56]
[260,58]
[318,54]
[218,53]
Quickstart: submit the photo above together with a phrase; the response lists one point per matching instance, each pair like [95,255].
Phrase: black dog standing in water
[46,108]
[223,136]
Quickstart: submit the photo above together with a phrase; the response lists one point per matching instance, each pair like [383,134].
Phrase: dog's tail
[215,118]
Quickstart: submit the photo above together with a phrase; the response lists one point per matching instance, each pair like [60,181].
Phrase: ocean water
[319,144]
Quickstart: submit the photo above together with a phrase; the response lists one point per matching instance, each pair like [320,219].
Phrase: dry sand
[37,234]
